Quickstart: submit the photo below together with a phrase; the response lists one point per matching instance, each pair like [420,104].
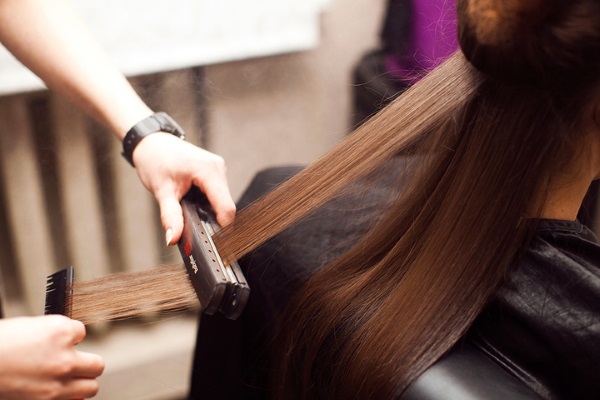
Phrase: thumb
[171,217]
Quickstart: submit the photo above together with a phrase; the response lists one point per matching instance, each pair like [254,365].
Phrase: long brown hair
[484,146]
[485,134]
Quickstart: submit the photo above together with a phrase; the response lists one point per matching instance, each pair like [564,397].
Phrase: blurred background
[261,83]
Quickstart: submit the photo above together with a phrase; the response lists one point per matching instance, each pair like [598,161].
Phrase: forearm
[49,38]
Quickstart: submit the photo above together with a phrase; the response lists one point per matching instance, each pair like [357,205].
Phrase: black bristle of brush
[59,292]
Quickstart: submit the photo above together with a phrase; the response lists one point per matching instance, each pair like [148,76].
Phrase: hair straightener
[219,287]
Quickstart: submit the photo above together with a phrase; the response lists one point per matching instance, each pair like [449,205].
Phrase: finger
[79,388]
[87,365]
[171,217]
[225,213]
[78,331]
[66,331]
[217,192]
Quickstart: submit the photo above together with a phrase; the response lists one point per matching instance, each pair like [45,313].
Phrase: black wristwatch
[159,122]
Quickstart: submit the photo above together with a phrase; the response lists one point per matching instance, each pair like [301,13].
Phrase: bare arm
[50,39]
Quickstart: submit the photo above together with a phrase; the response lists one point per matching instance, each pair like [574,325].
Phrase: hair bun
[496,21]
[531,41]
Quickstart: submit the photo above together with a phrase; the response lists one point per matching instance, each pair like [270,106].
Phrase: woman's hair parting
[484,135]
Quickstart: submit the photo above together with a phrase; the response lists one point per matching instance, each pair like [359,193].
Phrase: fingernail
[169,236]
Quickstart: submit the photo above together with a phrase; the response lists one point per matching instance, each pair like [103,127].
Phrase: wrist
[159,122]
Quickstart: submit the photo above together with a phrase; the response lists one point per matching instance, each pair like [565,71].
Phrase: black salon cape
[543,325]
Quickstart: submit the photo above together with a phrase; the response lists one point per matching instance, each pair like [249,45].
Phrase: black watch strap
[159,122]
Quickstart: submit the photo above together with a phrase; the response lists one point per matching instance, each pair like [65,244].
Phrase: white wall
[146,36]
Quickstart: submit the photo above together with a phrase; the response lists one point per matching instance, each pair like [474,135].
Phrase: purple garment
[433,39]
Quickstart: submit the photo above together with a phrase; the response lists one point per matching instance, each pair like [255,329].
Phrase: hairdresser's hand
[169,166]
[38,360]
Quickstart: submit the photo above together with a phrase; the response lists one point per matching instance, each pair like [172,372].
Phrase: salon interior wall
[289,108]
[285,101]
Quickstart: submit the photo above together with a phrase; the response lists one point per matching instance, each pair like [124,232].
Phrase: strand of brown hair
[156,291]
